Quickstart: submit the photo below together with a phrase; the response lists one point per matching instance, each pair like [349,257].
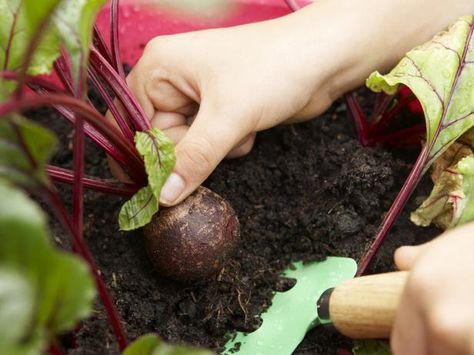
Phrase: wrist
[344,42]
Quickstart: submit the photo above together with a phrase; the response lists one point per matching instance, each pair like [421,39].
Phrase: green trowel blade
[293,312]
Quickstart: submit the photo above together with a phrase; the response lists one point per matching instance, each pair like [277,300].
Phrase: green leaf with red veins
[158,154]
[139,210]
[441,74]
[451,203]
[19,21]
[71,24]
[465,209]
[157,151]
[150,344]
[25,148]
[74,20]
[44,292]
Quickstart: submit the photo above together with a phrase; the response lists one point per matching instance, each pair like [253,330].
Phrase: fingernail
[172,189]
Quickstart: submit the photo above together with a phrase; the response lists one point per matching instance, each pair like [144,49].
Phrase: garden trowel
[324,293]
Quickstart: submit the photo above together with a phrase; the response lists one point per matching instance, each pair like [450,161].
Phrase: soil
[304,192]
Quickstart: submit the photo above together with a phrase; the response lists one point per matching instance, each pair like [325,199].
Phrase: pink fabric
[140,22]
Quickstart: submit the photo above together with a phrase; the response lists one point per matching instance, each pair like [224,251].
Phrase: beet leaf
[157,151]
[19,21]
[74,20]
[43,292]
[441,75]
[25,148]
[451,203]
[152,344]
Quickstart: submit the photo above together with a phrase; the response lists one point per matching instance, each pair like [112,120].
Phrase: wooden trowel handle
[364,307]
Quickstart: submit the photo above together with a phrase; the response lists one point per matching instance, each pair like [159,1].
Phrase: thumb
[209,139]
[406,256]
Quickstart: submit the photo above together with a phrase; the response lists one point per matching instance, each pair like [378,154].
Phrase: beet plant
[435,79]
[440,73]
[58,37]
[43,291]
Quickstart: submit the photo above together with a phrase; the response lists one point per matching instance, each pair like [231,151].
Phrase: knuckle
[155,77]
[156,45]
[422,282]
[442,324]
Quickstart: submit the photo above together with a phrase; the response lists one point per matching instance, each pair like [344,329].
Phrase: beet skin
[192,240]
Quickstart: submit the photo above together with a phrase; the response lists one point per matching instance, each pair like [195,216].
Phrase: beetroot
[191,241]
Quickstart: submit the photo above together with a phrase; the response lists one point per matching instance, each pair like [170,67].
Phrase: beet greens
[58,36]
[440,73]
[43,291]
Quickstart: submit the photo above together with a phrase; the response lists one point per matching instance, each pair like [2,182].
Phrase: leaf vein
[13,33]
[457,120]
[438,95]
[454,87]
[142,208]
[449,49]
[156,146]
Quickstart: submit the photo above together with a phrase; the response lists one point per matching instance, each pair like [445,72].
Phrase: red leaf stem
[388,116]
[119,87]
[62,175]
[382,101]
[408,136]
[81,247]
[102,142]
[114,38]
[78,166]
[100,44]
[408,187]
[63,69]
[55,349]
[136,168]
[46,87]
[32,80]
[371,131]
[52,196]
[360,120]
[114,111]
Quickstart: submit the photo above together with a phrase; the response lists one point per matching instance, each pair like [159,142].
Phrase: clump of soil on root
[305,191]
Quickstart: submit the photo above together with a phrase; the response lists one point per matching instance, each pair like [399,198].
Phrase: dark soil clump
[304,192]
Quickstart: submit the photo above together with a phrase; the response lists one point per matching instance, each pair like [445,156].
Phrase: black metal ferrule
[322,306]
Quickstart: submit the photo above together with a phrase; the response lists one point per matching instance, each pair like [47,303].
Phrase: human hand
[234,82]
[230,83]
[436,313]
